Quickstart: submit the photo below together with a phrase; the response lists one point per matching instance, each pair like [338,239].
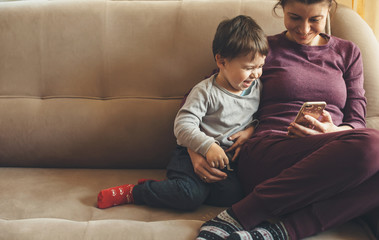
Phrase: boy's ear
[220,61]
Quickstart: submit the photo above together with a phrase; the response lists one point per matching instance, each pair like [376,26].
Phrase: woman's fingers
[211,175]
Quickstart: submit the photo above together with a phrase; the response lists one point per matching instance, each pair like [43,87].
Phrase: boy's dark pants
[184,190]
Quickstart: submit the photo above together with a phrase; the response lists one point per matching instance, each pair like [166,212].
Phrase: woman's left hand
[325,125]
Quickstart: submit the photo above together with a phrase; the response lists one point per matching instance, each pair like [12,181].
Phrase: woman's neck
[319,40]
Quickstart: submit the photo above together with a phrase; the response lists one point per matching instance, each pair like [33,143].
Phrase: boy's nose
[254,74]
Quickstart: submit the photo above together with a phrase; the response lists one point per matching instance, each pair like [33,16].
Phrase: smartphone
[313,109]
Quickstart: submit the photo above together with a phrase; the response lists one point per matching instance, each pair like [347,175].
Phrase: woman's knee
[364,151]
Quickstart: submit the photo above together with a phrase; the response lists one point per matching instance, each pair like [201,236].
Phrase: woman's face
[305,22]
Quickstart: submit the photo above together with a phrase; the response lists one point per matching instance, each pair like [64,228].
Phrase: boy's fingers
[232,137]
[236,153]
[215,164]
[221,164]
[224,162]
[233,147]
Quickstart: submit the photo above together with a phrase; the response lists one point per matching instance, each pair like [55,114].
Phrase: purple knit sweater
[294,74]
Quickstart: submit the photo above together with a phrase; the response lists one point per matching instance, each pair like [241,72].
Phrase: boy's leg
[182,190]
[118,195]
[226,192]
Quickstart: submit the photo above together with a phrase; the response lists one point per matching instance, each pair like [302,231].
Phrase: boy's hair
[239,36]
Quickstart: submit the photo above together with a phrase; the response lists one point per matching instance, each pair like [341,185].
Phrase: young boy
[215,109]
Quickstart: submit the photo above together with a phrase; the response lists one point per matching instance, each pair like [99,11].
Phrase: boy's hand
[216,157]
[203,170]
[239,139]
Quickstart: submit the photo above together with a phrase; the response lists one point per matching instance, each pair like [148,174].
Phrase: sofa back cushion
[98,83]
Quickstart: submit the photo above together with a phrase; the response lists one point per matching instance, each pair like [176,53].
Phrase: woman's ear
[220,61]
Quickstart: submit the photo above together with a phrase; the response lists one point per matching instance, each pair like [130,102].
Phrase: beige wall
[369,11]
[372,15]
[345,2]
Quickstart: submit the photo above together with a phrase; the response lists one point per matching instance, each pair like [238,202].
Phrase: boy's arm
[188,119]
[188,131]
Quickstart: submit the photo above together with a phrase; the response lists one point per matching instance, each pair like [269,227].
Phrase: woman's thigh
[265,157]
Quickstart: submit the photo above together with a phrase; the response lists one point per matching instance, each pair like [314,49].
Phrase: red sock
[115,196]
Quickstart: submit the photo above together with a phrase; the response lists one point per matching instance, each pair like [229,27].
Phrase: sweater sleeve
[187,122]
[355,108]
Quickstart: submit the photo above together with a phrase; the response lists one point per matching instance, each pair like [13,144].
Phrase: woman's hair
[282,3]
[239,36]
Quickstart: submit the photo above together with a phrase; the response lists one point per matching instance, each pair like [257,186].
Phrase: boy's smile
[237,74]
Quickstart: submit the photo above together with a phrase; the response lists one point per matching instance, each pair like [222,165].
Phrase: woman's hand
[204,170]
[239,139]
[325,125]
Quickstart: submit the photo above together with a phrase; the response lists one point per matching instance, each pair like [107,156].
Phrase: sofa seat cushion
[71,194]
[50,228]
[49,203]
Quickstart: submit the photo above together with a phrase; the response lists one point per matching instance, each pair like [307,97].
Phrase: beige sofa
[88,94]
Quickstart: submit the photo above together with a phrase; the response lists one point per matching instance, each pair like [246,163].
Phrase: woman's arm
[355,108]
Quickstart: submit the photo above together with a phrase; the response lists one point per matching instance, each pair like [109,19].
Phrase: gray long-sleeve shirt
[211,114]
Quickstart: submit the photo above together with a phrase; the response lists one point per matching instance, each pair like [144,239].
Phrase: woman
[301,181]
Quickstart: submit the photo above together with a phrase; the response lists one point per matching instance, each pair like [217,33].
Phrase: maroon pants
[310,183]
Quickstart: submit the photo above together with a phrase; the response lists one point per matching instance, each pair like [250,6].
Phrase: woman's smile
[304,22]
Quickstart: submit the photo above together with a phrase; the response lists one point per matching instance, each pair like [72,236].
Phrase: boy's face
[237,74]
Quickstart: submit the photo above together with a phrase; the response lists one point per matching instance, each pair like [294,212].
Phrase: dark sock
[264,231]
[220,227]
